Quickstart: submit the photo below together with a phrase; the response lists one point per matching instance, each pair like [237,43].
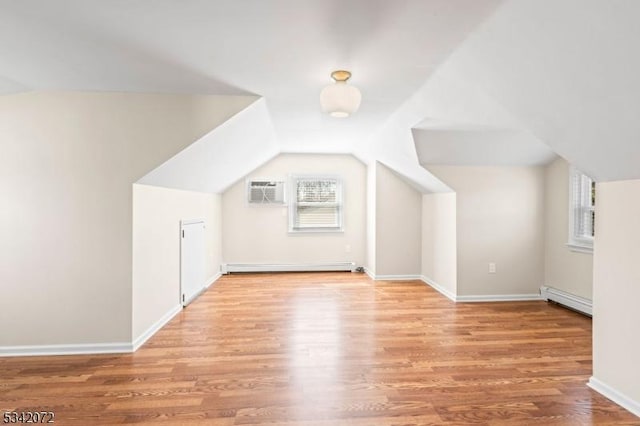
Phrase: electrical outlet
[347,248]
[492,268]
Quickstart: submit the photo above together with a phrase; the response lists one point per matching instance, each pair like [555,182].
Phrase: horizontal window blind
[318,204]
[584,205]
[317,217]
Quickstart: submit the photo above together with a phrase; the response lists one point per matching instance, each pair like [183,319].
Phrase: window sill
[580,248]
[317,231]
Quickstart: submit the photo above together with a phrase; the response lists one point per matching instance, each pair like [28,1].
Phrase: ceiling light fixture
[339,99]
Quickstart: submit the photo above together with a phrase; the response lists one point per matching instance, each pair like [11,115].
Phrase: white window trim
[293,203]
[575,242]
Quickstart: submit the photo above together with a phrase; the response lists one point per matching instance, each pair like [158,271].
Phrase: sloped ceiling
[566,73]
[509,78]
[215,161]
[281,50]
[478,146]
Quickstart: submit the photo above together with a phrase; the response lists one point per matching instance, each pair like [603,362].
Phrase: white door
[192,257]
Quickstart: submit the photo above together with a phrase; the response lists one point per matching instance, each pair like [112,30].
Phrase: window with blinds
[582,211]
[316,204]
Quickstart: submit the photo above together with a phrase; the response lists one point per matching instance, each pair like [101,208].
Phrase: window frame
[293,204]
[580,201]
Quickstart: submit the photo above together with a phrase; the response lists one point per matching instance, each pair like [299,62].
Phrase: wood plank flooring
[330,349]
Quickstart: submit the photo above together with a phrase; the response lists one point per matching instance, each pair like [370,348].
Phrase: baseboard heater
[286,267]
[569,300]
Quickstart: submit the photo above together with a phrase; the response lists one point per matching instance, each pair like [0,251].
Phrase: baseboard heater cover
[284,267]
[569,300]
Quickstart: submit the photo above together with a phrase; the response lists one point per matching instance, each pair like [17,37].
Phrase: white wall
[66,172]
[439,241]
[564,269]
[371,218]
[259,234]
[398,225]
[616,288]
[157,213]
[500,219]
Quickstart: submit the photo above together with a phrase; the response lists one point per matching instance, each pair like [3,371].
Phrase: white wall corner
[369,273]
[440,289]
[138,342]
[618,397]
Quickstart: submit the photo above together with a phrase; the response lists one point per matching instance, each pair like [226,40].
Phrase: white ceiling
[462,145]
[513,79]
[281,50]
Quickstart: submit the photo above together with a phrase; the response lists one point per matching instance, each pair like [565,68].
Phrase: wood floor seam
[324,349]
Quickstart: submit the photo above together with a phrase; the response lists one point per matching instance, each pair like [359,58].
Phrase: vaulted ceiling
[443,81]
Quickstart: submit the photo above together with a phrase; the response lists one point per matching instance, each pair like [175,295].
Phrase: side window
[582,203]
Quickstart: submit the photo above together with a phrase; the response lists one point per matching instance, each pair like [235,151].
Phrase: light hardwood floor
[330,349]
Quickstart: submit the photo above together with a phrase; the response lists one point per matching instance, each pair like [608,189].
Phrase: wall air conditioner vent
[263,191]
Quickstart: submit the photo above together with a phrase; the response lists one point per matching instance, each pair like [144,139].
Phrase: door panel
[192,260]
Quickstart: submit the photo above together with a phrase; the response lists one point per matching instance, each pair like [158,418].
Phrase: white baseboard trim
[498,298]
[618,397]
[207,284]
[293,267]
[369,273]
[399,277]
[567,299]
[437,287]
[140,340]
[455,298]
[213,279]
[90,348]
[396,277]
[72,349]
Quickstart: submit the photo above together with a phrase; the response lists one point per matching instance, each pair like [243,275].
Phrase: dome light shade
[339,99]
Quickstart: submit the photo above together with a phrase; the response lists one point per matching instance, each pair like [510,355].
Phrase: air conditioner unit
[265,192]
